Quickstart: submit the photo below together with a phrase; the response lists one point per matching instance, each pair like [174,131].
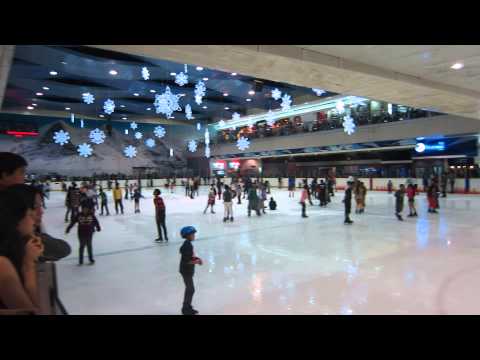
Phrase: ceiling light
[225,94]
[39,94]
[456,66]
[251,92]
[173,74]
[249,99]
[67,108]
[34,104]
[124,118]
[205,107]
[30,107]
[53,73]
[46,88]
[64,63]
[136,94]
[205,79]
[101,115]
[149,109]
[199,68]
[152,91]
[113,72]
[234,74]
[122,106]
[227,108]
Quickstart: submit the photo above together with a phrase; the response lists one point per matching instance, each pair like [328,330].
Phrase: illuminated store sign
[422,147]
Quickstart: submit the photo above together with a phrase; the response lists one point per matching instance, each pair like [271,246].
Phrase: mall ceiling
[81,69]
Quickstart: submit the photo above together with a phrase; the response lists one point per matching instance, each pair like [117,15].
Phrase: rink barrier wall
[378,184]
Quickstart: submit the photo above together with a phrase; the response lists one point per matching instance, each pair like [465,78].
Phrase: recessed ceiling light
[30,107]
[249,99]
[227,108]
[64,63]
[39,94]
[149,109]
[136,94]
[67,108]
[152,91]
[46,88]
[205,79]
[199,68]
[173,74]
[457,66]
[124,118]
[53,73]
[34,104]
[251,92]
[101,115]
[205,107]
[225,94]
[234,74]
[113,72]
[122,106]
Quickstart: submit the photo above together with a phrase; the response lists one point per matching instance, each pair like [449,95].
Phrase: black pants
[186,190]
[117,203]
[161,225]
[304,209]
[104,205]
[69,210]
[126,194]
[239,197]
[348,210]
[85,241]
[189,291]
[253,205]
[73,211]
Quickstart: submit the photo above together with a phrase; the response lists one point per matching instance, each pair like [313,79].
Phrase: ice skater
[126,189]
[188,261]
[227,204]
[117,197]
[136,197]
[160,215]
[303,199]
[432,198]
[322,193]
[272,204]
[411,192]
[253,200]
[103,202]
[87,224]
[212,194]
[291,187]
[399,199]
[347,200]
[389,186]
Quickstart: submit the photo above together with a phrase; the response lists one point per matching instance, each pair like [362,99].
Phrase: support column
[6,57]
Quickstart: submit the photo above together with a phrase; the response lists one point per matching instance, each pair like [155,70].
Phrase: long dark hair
[26,194]
[12,244]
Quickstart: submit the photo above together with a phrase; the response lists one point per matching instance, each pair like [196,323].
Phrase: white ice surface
[279,263]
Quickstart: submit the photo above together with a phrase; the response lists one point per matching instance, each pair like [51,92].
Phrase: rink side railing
[376,184]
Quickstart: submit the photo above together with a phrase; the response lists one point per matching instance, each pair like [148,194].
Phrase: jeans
[85,241]
[304,209]
[104,205]
[348,209]
[161,225]
[189,291]
[118,203]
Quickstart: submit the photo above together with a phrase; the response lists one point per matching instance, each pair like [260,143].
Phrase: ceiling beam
[6,57]
[304,67]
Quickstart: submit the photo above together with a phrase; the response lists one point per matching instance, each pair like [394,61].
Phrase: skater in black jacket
[348,202]
[87,224]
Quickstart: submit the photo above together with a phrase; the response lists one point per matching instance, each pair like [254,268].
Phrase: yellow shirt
[117,194]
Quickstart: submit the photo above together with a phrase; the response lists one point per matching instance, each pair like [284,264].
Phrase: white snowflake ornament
[348,125]
[97,136]
[109,106]
[200,91]
[85,150]
[192,146]
[340,106]
[221,123]
[286,102]
[167,103]
[269,118]
[319,92]
[133,125]
[235,116]
[207,137]
[130,151]
[188,112]
[88,98]
[138,135]
[181,79]
[276,94]
[150,142]
[243,143]
[61,137]
[145,73]
[159,131]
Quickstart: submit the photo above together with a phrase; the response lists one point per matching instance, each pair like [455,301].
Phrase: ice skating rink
[279,263]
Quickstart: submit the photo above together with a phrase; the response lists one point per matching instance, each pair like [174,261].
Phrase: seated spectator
[272,204]
[12,169]
[19,251]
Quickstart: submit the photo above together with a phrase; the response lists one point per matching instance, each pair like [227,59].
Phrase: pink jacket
[304,196]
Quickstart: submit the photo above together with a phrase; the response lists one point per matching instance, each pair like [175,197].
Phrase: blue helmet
[187,230]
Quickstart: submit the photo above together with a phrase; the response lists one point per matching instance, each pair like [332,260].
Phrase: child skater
[87,224]
[399,196]
[411,192]
[136,197]
[187,268]
[103,201]
[303,199]
[212,194]
[272,204]
[160,215]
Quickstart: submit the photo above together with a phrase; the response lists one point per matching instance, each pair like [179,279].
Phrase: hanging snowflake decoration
[133,125]
[145,73]
[221,123]
[207,151]
[192,146]
[286,102]
[130,151]
[72,118]
[85,150]
[243,143]
[200,91]
[97,136]
[167,103]
[138,135]
[188,112]
[181,79]
[109,106]
[269,118]
[207,137]
[235,116]
[88,98]
[348,125]
[159,131]
[150,142]
[171,152]
[319,92]
[61,137]
[82,123]
[199,126]
[276,94]
[340,106]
